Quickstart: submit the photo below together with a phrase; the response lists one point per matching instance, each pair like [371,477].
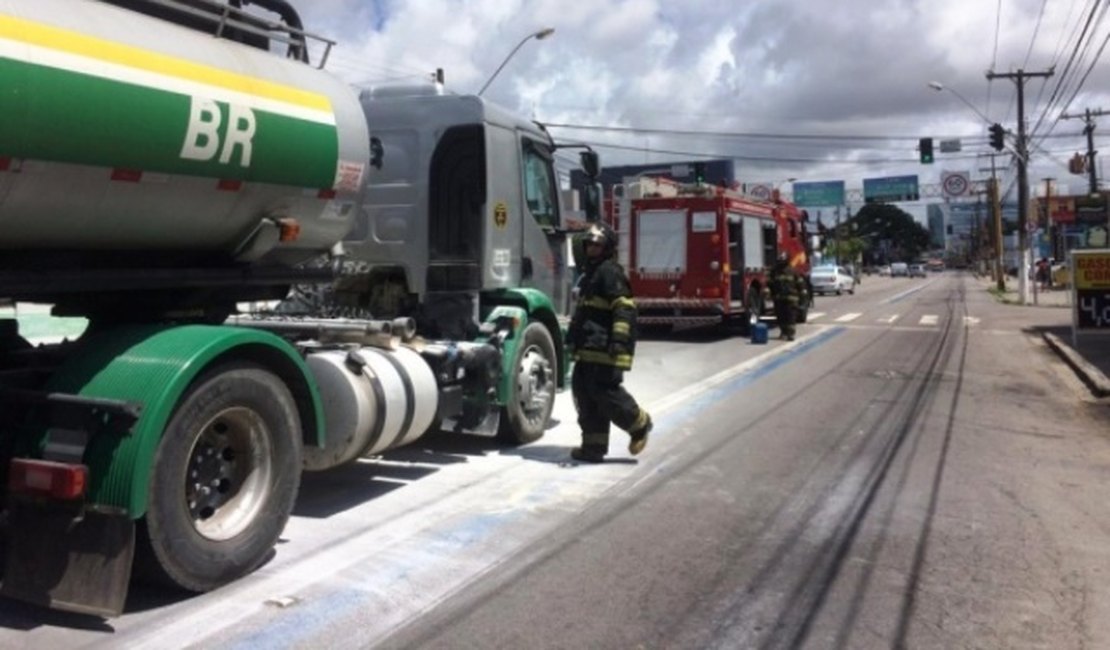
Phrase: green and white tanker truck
[163,162]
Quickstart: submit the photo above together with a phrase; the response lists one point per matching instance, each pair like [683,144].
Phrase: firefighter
[602,335]
[787,289]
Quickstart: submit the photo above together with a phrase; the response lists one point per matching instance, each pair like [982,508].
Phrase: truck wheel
[524,418]
[223,481]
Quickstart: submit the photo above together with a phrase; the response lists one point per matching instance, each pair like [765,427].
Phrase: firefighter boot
[587,454]
[594,446]
[640,435]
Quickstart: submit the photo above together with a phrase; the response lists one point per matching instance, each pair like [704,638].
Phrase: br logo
[208,136]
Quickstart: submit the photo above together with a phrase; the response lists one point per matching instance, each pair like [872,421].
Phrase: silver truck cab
[461,199]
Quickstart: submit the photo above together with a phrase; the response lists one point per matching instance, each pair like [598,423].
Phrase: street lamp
[939,87]
[539,36]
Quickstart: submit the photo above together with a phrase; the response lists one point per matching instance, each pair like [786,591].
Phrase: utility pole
[1089,117]
[999,245]
[1022,152]
[1049,227]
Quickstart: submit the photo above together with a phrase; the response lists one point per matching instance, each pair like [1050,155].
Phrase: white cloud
[853,67]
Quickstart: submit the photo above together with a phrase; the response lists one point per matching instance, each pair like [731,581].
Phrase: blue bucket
[759,333]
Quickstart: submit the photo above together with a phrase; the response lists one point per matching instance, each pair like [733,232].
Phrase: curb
[1092,376]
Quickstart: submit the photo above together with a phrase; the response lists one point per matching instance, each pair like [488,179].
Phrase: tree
[891,233]
[848,250]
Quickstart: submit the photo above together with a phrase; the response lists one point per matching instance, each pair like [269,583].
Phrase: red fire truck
[699,255]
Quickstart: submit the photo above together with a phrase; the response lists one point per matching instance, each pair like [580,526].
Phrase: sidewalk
[1089,358]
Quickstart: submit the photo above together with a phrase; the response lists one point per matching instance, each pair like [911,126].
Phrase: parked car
[884,269]
[917,270]
[832,279]
[899,269]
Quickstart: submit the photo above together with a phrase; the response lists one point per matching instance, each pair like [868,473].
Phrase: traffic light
[1077,164]
[699,172]
[925,146]
[997,136]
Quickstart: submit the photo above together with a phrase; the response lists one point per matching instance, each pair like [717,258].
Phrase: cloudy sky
[798,89]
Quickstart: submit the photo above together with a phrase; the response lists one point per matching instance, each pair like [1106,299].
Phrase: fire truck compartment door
[661,241]
[753,242]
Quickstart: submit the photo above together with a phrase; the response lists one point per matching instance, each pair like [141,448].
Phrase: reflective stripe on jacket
[603,329]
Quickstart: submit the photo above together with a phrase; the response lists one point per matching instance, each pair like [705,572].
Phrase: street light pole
[939,87]
[539,36]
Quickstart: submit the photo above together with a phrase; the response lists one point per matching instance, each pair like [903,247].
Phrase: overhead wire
[1081,44]
[994,54]
[1082,81]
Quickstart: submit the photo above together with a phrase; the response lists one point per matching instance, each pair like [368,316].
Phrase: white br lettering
[202,138]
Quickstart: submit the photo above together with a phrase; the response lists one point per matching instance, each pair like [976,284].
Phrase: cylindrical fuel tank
[374,399]
[125,132]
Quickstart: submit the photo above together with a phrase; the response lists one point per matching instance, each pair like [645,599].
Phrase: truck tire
[534,382]
[223,481]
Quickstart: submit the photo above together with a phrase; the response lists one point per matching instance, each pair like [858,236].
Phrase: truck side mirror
[591,201]
[591,163]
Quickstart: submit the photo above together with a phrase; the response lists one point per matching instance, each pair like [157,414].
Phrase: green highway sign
[819,194]
[890,189]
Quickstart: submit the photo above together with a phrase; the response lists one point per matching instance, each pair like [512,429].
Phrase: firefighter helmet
[600,233]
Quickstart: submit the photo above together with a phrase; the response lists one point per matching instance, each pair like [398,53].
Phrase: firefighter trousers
[601,399]
[785,314]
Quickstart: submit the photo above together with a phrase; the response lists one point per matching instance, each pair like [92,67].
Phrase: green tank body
[122,131]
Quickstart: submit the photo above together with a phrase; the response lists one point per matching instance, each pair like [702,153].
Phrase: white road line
[815,314]
[848,317]
[928,319]
[970,320]
[887,319]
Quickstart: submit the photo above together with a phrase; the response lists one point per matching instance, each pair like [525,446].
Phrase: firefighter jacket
[786,285]
[603,328]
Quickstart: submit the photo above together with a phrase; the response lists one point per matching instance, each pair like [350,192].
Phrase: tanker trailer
[151,178]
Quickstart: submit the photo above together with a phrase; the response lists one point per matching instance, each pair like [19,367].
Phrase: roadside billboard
[1090,272]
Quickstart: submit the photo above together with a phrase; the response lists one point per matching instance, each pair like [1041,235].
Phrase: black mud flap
[77,563]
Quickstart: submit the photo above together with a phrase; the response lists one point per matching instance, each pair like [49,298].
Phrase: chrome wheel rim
[229,473]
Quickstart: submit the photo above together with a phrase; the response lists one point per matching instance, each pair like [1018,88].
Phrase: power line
[739,134]
[767,136]
[1036,30]
[768,159]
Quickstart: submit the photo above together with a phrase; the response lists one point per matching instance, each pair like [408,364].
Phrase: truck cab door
[543,245]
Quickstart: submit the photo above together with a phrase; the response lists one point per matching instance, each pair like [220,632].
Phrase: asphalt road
[916,470]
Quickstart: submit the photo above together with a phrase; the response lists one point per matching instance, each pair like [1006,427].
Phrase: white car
[832,279]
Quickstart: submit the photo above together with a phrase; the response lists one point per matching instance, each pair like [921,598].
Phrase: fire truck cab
[700,255]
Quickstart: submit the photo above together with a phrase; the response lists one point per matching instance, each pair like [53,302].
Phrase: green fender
[525,305]
[153,365]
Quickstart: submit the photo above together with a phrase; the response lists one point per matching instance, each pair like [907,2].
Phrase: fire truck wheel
[223,480]
[525,415]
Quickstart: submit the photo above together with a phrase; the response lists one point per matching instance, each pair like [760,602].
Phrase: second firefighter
[787,289]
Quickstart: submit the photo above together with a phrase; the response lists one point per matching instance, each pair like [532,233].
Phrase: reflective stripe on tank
[379,396]
[410,395]
[156,113]
[69,50]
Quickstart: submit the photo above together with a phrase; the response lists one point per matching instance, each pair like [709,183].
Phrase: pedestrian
[602,335]
[1044,276]
[786,288]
